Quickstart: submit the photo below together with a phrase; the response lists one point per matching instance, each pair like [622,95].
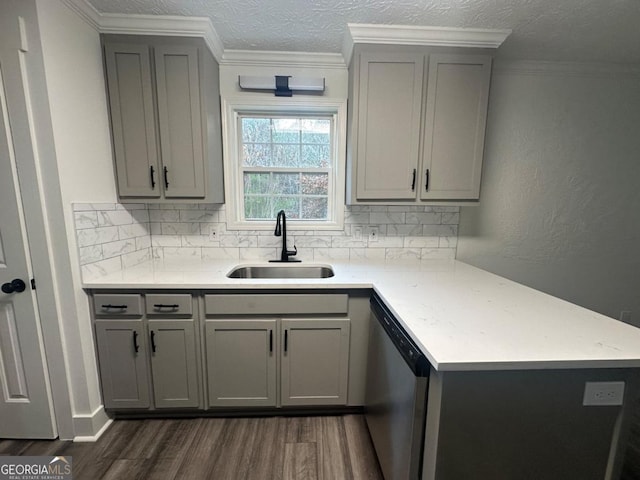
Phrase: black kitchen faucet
[281,230]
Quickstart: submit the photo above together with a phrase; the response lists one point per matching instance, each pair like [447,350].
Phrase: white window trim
[232,107]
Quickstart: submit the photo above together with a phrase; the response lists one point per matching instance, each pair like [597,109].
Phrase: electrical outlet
[214,233]
[357,233]
[603,393]
[374,233]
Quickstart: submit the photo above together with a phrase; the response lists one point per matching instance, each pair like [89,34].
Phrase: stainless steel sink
[281,271]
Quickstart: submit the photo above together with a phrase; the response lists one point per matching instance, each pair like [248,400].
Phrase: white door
[26,409]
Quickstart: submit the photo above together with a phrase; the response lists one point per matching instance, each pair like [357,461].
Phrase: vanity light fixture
[282,85]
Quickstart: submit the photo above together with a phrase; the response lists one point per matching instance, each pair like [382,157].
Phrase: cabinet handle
[413,182]
[153,177]
[286,339]
[153,341]
[115,307]
[136,347]
[270,341]
[166,178]
[426,183]
[159,306]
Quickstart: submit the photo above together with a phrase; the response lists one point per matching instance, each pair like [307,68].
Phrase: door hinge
[33,284]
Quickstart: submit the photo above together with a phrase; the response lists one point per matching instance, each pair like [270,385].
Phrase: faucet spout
[281,231]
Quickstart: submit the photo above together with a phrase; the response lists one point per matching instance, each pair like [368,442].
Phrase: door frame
[36,161]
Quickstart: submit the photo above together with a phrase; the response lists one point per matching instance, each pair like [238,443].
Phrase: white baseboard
[89,428]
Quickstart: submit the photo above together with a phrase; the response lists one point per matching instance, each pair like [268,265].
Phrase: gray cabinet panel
[117,305]
[388,132]
[457,97]
[123,370]
[241,362]
[174,363]
[179,115]
[132,119]
[315,361]
[180,304]
[276,304]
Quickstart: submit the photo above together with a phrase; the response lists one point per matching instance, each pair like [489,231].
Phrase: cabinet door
[241,362]
[180,120]
[174,363]
[315,361]
[455,119]
[122,353]
[388,131]
[132,119]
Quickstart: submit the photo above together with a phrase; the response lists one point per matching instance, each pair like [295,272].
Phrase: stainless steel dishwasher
[396,396]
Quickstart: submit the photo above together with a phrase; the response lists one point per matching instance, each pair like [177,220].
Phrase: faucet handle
[292,253]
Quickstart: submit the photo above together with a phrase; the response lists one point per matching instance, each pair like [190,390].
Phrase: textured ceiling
[570,30]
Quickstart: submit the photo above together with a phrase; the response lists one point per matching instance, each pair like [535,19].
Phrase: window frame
[233,108]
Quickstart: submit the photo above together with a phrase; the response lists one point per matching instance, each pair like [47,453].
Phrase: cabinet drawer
[173,304]
[276,304]
[117,304]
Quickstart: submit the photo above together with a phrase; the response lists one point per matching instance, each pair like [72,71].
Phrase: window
[284,157]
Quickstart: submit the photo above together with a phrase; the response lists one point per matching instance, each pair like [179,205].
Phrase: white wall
[75,84]
[560,201]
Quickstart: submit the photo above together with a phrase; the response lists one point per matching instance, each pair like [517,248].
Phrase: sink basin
[281,271]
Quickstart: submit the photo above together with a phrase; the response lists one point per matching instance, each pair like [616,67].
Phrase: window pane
[256,130]
[286,183]
[314,184]
[256,182]
[316,130]
[256,155]
[290,205]
[314,208]
[286,155]
[257,208]
[316,156]
[286,130]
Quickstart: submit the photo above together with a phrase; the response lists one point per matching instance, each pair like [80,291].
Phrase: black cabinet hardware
[286,339]
[153,177]
[114,307]
[166,178]
[426,182]
[174,306]
[33,284]
[153,341]
[136,347]
[270,341]
[413,182]
[14,286]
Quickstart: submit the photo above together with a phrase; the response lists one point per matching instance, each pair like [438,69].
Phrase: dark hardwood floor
[270,448]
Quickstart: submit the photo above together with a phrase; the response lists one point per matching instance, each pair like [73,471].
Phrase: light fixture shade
[282,83]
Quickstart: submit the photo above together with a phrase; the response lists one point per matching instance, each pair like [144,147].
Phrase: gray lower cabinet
[315,361]
[122,354]
[174,361]
[241,362]
[165,118]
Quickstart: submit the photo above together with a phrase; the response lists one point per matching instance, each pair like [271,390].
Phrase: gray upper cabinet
[165,117]
[454,126]
[416,125]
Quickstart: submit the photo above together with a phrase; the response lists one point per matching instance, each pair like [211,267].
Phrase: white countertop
[462,318]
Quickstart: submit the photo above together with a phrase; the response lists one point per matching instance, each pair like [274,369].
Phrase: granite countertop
[462,317]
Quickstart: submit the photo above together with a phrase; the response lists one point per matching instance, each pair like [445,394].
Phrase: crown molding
[557,68]
[278,59]
[420,35]
[168,25]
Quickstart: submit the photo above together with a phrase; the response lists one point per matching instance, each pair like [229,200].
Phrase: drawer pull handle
[114,307]
[153,341]
[136,347]
[159,306]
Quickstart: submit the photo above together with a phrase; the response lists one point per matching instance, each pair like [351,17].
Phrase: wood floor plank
[147,440]
[238,438]
[204,449]
[300,461]
[362,457]
[180,434]
[125,469]
[267,456]
[301,430]
[333,456]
